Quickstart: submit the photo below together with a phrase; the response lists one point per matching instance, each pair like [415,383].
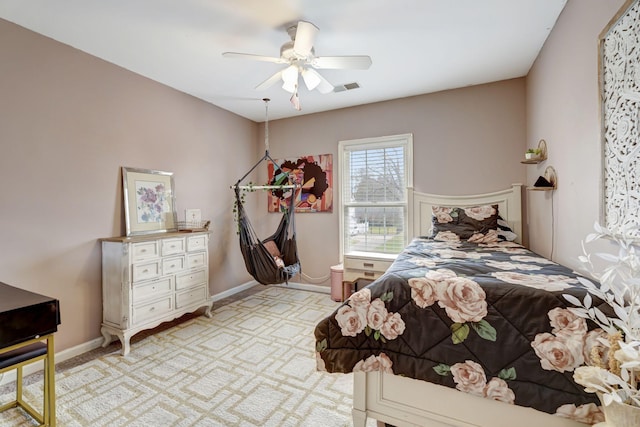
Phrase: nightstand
[366,265]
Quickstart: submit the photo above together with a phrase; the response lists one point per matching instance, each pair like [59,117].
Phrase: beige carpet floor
[251,364]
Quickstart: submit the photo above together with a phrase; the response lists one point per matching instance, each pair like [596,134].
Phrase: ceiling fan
[299,56]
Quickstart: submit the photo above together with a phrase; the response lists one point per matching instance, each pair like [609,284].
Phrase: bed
[450,334]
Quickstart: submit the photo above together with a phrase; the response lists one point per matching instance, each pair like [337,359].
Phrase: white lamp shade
[290,86]
[311,78]
[290,78]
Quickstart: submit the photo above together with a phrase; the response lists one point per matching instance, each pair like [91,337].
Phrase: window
[374,175]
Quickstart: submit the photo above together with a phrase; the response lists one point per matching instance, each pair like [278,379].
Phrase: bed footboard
[405,402]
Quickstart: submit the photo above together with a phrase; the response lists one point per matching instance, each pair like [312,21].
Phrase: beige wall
[563,108]
[68,122]
[466,141]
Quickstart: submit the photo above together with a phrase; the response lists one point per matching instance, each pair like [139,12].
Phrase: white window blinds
[375,176]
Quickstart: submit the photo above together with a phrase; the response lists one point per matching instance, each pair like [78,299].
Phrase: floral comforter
[486,319]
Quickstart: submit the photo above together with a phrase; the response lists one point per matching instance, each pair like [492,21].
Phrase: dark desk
[27,318]
[25,315]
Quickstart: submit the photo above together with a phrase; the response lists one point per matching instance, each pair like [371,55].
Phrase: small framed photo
[149,201]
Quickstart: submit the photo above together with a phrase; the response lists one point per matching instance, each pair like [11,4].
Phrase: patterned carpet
[252,364]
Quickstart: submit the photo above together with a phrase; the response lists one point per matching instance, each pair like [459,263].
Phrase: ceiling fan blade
[324,87]
[357,62]
[236,55]
[305,36]
[270,81]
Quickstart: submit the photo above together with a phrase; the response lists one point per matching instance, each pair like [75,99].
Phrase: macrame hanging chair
[273,260]
[260,255]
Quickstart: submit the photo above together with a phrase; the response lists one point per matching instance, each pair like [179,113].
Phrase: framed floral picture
[149,201]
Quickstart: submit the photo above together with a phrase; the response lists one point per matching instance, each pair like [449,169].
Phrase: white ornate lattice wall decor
[620,87]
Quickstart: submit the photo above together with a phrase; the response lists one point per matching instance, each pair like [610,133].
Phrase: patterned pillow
[504,231]
[454,223]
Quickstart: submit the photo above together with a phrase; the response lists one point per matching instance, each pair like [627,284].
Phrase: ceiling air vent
[347,86]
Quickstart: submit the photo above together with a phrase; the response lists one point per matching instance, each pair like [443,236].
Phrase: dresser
[150,279]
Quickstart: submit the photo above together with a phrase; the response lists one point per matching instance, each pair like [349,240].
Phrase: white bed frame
[403,401]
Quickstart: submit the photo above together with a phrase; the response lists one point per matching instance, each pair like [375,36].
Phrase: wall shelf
[551,176]
[549,173]
[542,146]
[534,161]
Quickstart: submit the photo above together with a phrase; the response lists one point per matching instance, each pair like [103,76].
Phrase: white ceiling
[417,46]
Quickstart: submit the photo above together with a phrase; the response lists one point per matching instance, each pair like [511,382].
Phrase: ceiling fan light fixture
[311,78]
[290,87]
[290,74]
[290,78]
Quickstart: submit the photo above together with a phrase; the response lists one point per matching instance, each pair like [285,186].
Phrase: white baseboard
[69,353]
[290,285]
[306,287]
[60,356]
[233,291]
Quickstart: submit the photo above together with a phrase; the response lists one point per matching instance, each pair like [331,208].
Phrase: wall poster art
[314,177]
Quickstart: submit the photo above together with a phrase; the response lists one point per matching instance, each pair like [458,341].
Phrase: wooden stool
[25,353]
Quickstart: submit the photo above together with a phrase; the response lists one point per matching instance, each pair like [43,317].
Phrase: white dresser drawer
[172,246]
[149,290]
[152,310]
[366,264]
[172,265]
[198,259]
[146,270]
[196,243]
[190,279]
[352,275]
[144,250]
[191,296]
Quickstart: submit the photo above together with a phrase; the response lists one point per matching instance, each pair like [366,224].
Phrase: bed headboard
[509,207]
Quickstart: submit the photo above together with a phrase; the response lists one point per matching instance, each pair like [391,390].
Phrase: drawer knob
[368,264]
[152,308]
[145,270]
[143,250]
[369,273]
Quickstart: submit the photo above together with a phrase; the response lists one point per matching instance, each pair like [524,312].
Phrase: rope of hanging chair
[266,125]
[266,156]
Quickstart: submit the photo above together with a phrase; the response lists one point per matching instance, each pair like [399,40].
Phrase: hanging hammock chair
[273,260]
